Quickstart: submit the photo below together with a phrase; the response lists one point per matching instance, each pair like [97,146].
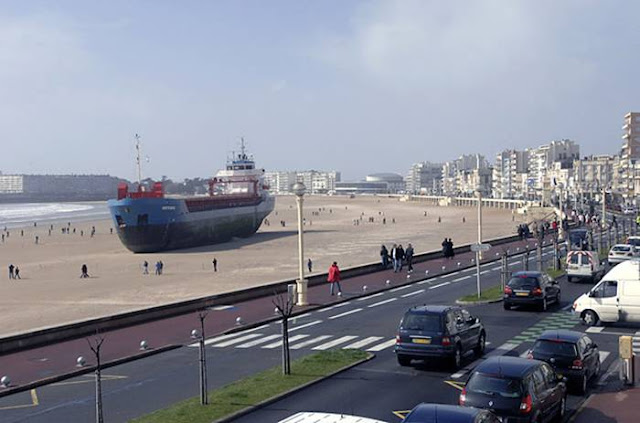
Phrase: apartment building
[509,171]
[317,182]
[455,173]
[424,178]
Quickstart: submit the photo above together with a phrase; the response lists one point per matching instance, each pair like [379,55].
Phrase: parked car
[531,288]
[571,354]
[313,417]
[620,252]
[441,413]
[635,241]
[517,390]
[584,265]
[438,331]
[615,299]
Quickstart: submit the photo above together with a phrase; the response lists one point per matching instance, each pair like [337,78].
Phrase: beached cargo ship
[236,205]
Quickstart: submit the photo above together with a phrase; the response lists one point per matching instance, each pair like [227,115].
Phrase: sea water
[21,214]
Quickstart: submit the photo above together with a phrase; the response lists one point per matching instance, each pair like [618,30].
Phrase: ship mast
[138,163]
[242,155]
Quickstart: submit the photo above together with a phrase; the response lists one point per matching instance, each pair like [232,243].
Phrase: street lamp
[299,190]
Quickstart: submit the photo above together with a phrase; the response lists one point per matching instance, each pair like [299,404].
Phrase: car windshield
[523,282]
[555,348]
[424,322]
[574,258]
[621,248]
[634,241]
[493,385]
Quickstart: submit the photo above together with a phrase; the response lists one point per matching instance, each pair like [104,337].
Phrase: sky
[355,86]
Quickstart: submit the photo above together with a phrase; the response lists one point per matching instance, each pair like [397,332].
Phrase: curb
[578,410]
[58,378]
[459,302]
[290,392]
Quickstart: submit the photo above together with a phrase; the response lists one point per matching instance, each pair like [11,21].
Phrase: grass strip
[555,274]
[251,391]
[493,293]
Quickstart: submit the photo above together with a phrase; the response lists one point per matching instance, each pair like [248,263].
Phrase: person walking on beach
[408,254]
[384,257]
[215,264]
[85,271]
[145,267]
[334,278]
[158,267]
[310,265]
[17,273]
[11,267]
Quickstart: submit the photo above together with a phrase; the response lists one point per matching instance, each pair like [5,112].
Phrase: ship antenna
[138,163]
[243,156]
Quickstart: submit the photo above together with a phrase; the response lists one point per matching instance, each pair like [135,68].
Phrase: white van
[311,417]
[615,299]
[584,265]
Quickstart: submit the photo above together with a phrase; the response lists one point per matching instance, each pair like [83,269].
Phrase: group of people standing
[397,256]
[14,272]
[447,249]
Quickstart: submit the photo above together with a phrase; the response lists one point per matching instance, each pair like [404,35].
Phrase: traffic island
[248,394]
[491,295]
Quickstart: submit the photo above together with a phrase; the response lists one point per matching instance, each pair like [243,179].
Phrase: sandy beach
[51,291]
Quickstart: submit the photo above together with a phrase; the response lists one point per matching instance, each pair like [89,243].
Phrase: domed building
[377,183]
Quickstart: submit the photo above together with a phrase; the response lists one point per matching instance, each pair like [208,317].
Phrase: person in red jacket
[334,277]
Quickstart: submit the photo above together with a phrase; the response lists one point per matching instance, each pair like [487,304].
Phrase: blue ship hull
[147,225]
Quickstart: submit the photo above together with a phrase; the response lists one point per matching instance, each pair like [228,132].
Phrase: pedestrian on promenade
[384,257]
[85,271]
[452,253]
[215,264]
[400,254]
[158,271]
[408,254]
[445,248]
[310,265]
[17,272]
[394,258]
[145,267]
[11,267]
[334,278]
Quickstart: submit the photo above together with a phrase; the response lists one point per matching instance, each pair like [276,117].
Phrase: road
[379,389]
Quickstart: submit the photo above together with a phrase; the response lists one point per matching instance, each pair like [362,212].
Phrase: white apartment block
[11,184]
[317,182]
[454,180]
[508,172]
[541,159]
[593,173]
[424,178]
[630,154]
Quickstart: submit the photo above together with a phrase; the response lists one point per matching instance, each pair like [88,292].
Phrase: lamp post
[299,190]
[479,193]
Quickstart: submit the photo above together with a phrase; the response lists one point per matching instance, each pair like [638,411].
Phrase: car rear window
[556,348]
[494,385]
[574,258]
[424,322]
[634,241]
[621,248]
[520,282]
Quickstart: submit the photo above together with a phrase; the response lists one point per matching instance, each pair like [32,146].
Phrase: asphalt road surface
[380,388]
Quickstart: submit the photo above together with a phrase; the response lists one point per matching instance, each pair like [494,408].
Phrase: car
[438,331]
[441,413]
[572,354]
[635,241]
[531,288]
[584,265]
[314,417]
[620,252]
[614,299]
[516,390]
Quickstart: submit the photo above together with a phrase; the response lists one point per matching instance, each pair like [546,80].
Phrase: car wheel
[482,341]
[569,279]
[597,371]
[562,410]
[582,384]
[506,306]
[403,360]
[589,318]
[456,360]
[544,305]
[558,298]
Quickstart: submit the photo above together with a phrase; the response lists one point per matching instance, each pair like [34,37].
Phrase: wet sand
[51,291]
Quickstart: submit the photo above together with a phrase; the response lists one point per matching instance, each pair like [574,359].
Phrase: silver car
[620,252]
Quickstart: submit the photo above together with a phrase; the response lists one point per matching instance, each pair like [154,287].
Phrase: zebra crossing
[602,330]
[245,340]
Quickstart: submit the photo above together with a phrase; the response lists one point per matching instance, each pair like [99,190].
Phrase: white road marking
[334,343]
[383,346]
[310,342]
[439,285]
[453,274]
[484,272]
[334,307]
[423,282]
[222,307]
[259,341]
[295,328]
[420,291]
[461,279]
[301,316]
[346,313]
[279,343]
[400,288]
[603,355]
[594,329]
[237,340]
[457,375]
[382,302]
[361,343]
[495,268]
[370,296]
[227,336]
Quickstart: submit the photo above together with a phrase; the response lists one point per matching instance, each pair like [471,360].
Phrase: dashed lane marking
[334,343]
[603,355]
[361,343]
[346,303]
[400,288]
[420,291]
[383,345]
[461,279]
[439,285]
[390,300]
[370,296]
[295,328]
[221,307]
[346,313]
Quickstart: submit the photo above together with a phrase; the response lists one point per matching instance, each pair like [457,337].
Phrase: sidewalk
[610,407]
[49,363]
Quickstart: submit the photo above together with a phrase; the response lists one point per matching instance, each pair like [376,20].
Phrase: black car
[440,413]
[517,390]
[572,354]
[439,331]
[531,288]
